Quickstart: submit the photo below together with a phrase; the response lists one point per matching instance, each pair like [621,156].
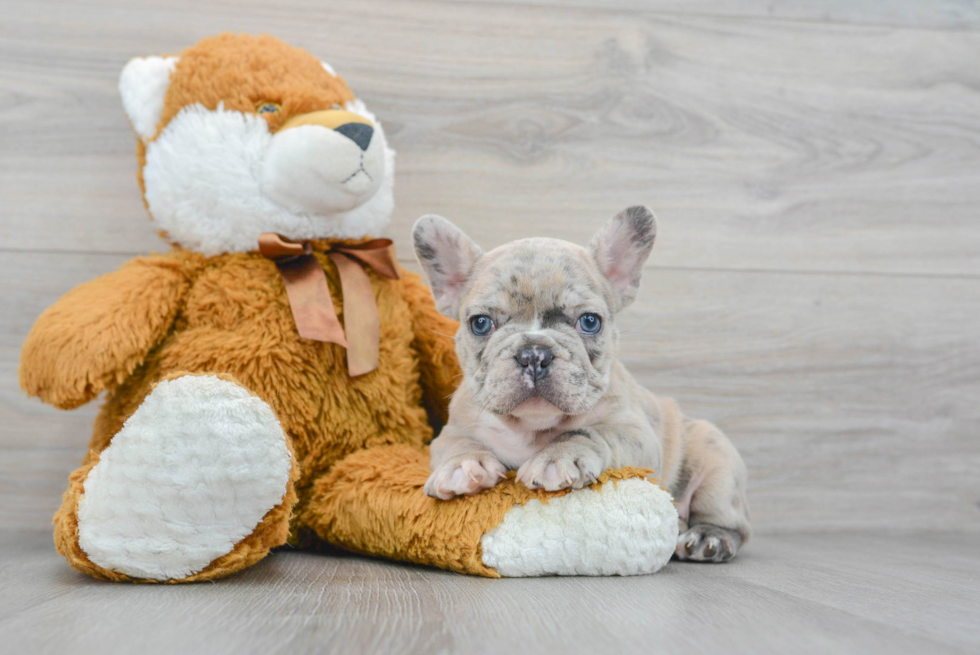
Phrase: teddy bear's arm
[440,372]
[99,332]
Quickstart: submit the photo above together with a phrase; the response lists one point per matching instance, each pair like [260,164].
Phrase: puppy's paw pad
[707,543]
[464,477]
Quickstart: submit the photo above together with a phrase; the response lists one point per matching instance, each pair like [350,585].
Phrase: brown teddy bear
[275,376]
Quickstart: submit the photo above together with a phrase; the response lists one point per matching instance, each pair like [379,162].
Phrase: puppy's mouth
[535,413]
[535,406]
[538,400]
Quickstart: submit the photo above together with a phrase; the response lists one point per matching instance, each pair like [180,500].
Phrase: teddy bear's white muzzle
[317,170]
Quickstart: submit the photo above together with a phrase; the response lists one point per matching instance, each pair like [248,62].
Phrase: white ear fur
[448,257]
[143,85]
[621,248]
[327,67]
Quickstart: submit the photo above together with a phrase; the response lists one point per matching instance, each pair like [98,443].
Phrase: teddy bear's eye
[268,108]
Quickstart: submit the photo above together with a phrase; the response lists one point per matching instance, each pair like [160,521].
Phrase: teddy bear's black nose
[359,133]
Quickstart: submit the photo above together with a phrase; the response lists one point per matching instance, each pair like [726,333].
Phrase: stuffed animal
[276,375]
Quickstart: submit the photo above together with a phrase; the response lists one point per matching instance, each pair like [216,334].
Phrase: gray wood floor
[815,290]
[826,593]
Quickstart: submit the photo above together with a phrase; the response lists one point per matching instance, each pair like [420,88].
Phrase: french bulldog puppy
[543,392]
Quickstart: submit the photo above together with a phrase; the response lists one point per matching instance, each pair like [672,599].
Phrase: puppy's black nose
[535,360]
[359,133]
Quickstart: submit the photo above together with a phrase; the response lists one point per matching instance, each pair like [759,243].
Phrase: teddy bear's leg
[372,502]
[196,485]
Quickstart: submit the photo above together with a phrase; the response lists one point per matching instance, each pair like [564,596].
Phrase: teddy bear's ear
[143,86]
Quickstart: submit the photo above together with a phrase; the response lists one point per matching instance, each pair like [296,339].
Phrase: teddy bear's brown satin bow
[309,297]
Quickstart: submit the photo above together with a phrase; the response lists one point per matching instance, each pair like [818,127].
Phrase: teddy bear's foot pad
[192,472]
[629,527]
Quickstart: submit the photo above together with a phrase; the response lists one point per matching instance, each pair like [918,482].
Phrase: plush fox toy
[224,432]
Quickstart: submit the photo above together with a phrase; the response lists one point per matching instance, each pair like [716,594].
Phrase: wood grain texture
[761,145]
[841,601]
[938,14]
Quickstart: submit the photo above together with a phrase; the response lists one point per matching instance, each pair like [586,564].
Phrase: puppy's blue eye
[481,325]
[589,323]
[268,108]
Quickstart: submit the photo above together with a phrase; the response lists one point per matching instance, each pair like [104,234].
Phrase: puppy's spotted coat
[544,393]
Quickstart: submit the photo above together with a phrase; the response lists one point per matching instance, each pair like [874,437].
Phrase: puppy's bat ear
[448,256]
[621,248]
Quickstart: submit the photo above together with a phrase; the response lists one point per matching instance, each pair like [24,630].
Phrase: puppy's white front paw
[560,466]
[464,476]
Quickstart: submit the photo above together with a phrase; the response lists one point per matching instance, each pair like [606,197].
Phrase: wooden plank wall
[815,170]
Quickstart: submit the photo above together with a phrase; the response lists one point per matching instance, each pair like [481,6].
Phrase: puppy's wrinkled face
[537,320]
[537,316]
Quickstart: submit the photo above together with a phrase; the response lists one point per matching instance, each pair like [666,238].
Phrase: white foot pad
[191,473]
[629,528]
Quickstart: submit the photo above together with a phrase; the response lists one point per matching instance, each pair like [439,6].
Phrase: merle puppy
[544,393]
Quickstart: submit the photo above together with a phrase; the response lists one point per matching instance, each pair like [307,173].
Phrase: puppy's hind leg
[710,494]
